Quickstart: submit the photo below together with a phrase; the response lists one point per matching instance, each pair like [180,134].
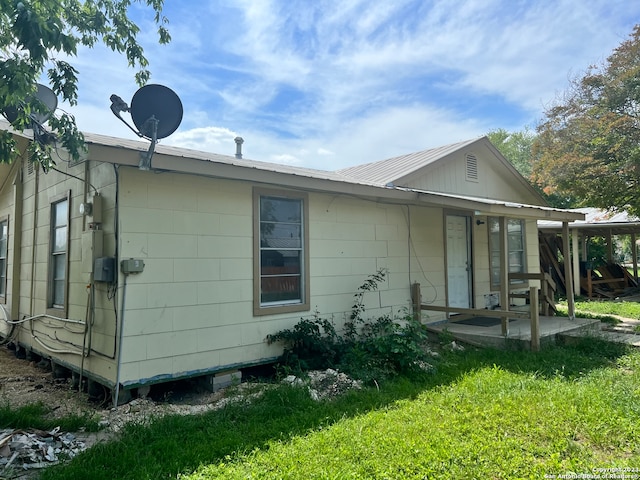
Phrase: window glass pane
[280,262]
[515,246]
[58,293]
[274,209]
[514,226]
[60,213]
[280,235]
[3,239]
[3,276]
[59,271]
[59,266]
[280,289]
[60,239]
[515,242]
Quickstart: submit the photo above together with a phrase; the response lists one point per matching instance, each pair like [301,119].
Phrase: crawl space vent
[472,168]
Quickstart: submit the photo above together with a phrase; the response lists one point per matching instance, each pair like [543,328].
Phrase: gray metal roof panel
[387,171]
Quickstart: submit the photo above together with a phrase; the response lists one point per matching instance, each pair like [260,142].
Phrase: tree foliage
[518,148]
[515,147]
[588,145]
[38,37]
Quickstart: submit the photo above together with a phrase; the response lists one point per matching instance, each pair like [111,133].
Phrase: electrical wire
[95,190]
[412,248]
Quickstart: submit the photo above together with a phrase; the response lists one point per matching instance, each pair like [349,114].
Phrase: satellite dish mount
[156,112]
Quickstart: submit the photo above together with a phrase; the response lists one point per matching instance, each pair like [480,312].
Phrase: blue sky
[329,84]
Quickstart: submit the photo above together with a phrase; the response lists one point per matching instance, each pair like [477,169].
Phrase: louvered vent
[29,167]
[472,168]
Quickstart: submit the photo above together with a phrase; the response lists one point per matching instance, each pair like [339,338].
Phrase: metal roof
[596,222]
[368,180]
[387,171]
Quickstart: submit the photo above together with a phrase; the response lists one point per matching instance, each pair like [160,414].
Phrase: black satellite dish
[156,112]
[159,102]
[43,95]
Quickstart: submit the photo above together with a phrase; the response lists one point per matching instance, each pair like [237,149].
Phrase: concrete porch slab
[519,335]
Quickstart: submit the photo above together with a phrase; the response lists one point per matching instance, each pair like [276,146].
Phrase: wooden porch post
[575,255]
[504,273]
[634,255]
[416,300]
[567,270]
[609,246]
[535,319]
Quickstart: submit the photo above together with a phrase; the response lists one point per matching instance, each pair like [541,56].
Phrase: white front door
[458,261]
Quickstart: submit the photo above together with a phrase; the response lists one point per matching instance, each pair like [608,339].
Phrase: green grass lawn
[605,309]
[482,414]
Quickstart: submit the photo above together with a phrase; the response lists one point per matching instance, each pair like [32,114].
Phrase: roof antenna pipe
[239,141]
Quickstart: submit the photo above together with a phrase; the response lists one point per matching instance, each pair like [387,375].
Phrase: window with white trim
[515,245]
[281,252]
[4,238]
[58,260]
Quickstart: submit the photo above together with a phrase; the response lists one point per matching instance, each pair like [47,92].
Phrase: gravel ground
[23,382]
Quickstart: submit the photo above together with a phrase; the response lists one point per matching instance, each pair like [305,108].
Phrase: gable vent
[472,168]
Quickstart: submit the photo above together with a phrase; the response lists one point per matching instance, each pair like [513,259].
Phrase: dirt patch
[24,382]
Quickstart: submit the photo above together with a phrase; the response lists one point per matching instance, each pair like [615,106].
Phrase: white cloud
[326,84]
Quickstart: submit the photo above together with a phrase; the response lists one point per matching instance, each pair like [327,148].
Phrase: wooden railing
[547,290]
[546,295]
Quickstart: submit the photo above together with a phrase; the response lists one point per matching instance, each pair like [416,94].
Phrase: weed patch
[368,349]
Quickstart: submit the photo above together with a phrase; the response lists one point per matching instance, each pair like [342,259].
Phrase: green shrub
[367,349]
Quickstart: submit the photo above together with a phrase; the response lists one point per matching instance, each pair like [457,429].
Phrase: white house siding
[187,311]
[29,298]
[191,309]
[7,195]
[493,180]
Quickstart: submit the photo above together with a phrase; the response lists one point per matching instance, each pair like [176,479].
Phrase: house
[131,276]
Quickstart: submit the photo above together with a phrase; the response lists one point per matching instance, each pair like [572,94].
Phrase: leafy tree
[518,148]
[588,145]
[36,36]
[515,147]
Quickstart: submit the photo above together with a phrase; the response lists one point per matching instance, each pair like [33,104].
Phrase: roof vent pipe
[239,141]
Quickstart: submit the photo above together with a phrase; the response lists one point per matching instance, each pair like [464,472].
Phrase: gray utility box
[104,269]
[131,265]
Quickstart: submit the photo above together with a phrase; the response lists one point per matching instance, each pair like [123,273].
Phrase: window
[281,252]
[4,236]
[515,245]
[58,261]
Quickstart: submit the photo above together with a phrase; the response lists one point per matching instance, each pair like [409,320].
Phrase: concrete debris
[34,449]
[324,384]
[455,347]
[24,451]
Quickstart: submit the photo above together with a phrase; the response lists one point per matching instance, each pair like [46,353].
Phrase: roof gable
[473,167]
[392,170]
